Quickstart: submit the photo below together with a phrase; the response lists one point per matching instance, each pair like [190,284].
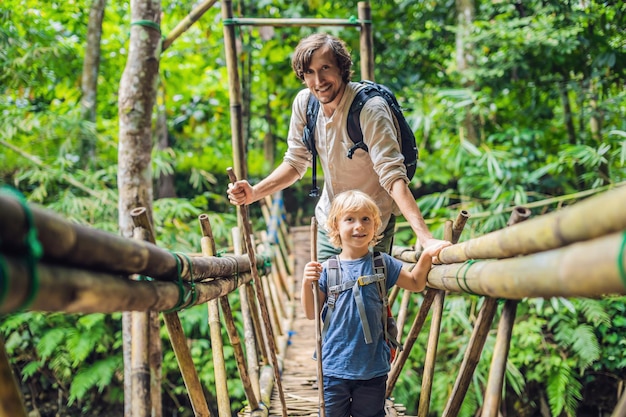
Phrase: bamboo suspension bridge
[49,264]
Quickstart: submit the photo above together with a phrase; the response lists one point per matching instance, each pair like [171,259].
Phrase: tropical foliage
[534,116]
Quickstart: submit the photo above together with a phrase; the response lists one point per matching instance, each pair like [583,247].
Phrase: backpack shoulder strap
[308,137]
[354,116]
[333,278]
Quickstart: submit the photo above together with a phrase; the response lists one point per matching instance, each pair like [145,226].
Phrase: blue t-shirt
[344,351]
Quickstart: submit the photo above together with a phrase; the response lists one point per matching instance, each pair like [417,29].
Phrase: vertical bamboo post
[11,404]
[261,297]
[404,306]
[411,338]
[433,339]
[471,357]
[250,336]
[366,41]
[271,218]
[497,370]
[177,337]
[318,325]
[141,404]
[207,244]
[234,90]
[620,408]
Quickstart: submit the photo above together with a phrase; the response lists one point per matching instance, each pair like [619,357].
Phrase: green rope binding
[33,248]
[467,289]
[620,260]
[185,299]
[147,23]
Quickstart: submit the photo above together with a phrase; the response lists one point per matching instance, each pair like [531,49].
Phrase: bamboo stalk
[495,382]
[550,231]
[261,297]
[471,357]
[86,247]
[141,395]
[620,408]
[493,391]
[80,291]
[411,338]
[366,41]
[404,306]
[11,401]
[587,269]
[431,352]
[271,219]
[250,337]
[208,249]
[141,220]
[187,22]
[433,338]
[278,22]
[315,287]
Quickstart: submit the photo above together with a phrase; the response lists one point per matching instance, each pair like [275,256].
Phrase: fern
[49,342]
[594,311]
[586,345]
[564,390]
[97,375]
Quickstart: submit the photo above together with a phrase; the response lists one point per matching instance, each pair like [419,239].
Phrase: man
[324,64]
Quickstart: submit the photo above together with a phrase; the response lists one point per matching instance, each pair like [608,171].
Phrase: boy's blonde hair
[348,201]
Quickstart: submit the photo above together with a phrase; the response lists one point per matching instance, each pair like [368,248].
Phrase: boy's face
[356,228]
[323,77]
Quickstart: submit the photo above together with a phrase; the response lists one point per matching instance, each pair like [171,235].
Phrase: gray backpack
[335,285]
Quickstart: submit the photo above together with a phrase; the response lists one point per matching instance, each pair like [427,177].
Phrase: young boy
[355,372]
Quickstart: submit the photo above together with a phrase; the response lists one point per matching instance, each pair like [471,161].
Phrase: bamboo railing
[566,259]
[97,281]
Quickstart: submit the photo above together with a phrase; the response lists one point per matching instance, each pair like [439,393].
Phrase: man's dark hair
[301,59]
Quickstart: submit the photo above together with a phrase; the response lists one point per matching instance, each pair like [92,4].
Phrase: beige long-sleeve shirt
[372,172]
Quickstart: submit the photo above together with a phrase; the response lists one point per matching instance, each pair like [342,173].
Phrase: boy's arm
[416,279]
[312,272]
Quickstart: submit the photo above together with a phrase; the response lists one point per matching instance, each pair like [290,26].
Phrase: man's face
[323,77]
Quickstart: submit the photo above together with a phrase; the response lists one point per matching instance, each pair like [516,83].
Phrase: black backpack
[371,89]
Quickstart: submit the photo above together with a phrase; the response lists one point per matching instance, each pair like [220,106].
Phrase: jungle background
[513,103]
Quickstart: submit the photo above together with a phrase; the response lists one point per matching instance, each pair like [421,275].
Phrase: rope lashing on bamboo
[620,259]
[147,23]
[185,299]
[32,247]
[469,263]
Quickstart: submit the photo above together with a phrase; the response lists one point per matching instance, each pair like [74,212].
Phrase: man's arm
[242,192]
[410,210]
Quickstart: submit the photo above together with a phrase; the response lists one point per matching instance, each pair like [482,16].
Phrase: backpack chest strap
[362,281]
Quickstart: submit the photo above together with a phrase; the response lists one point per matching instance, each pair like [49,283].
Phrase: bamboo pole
[411,338]
[86,247]
[80,291]
[271,219]
[315,287]
[620,408]
[550,231]
[11,401]
[587,269]
[471,357]
[366,41]
[431,352]
[299,22]
[217,346]
[261,297]
[141,395]
[250,337]
[187,22]
[495,382]
[177,337]
[404,307]
[142,223]
[234,91]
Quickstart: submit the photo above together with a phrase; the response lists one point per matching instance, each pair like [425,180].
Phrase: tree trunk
[137,95]
[464,59]
[91,65]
